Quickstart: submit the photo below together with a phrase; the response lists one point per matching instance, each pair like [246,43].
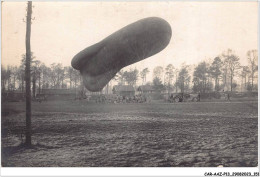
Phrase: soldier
[228,97]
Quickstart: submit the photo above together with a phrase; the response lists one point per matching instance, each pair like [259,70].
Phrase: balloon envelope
[100,62]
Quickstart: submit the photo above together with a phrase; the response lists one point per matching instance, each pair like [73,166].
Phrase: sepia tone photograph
[129,84]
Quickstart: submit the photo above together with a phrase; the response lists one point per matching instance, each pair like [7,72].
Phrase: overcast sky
[201,30]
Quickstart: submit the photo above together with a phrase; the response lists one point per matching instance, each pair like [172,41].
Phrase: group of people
[122,99]
[182,97]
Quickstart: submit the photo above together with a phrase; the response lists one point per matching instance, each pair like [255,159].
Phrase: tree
[9,75]
[22,69]
[183,79]
[5,76]
[143,74]
[234,85]
[36,74]
[253,66]
[244,74]
[176,72]
[169,72]
[28,141]
[13,77]
[61,72]
[158,72]
[21,77]
[57,75]
[46,76]
[131,76]
[120,77]
[43,76]
[53,75]
[157,84]
[68,74]
[75,77]
[224,75]
[200,78]
[215,71]
[232,63]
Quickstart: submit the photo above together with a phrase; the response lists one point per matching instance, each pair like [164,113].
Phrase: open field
[76,133]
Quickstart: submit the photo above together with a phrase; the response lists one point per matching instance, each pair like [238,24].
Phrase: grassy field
[77,133]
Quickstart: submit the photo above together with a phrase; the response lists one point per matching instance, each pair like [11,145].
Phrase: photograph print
[129,84]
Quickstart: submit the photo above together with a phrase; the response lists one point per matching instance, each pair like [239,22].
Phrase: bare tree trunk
[241,89]
[14,82]
[28,75]
[245,83]
[3,85]
[216,84]
[75,84]
[225,80]
[176,87]
[8,84]
[39,83]
[70,79]
[34,86]
[231,82]
[22,85]
[252,79]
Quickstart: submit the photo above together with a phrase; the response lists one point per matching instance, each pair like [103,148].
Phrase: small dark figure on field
[228,97]
[171,99]
[22,136]
[181,98]
[199,97]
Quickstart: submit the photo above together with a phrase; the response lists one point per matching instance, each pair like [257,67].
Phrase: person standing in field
[228,97]
[199,96]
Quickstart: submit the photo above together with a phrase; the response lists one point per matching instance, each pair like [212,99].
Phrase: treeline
[225,72]
[42,76]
